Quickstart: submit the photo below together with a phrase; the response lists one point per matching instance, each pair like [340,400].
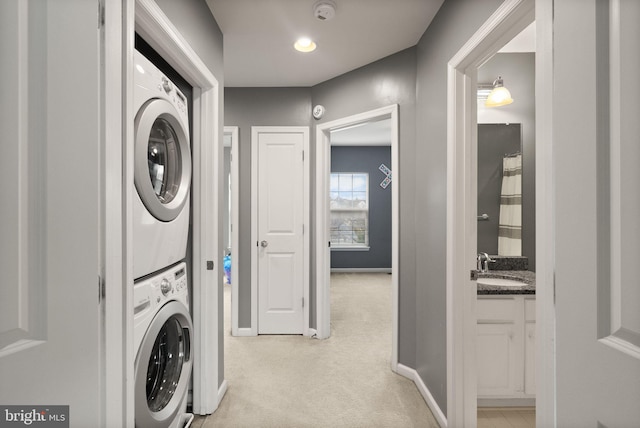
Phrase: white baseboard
[413,375]
[361,270]
[222,391]
[506,402]
[245,332]
[311,332]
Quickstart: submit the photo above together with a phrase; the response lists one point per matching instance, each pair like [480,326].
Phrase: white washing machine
[162,175]
[162,338]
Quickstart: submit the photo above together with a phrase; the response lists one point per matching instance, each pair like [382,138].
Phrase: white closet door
[280,246]
[596,129]
[49,233]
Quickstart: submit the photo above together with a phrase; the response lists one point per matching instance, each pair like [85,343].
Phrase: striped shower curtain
[510,224]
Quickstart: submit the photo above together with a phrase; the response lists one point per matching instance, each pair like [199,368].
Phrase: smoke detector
[324,10]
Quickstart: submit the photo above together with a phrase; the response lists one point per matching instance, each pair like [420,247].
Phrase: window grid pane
[349,202]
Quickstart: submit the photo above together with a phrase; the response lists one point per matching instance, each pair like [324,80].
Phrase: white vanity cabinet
[530,345]
[505,346]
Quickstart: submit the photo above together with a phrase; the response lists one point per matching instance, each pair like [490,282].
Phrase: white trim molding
[323,257]
[154,26]
[506,22]
[545,221]
[413,375]
[222,391]
[235,226]
[117,134]
[245,332]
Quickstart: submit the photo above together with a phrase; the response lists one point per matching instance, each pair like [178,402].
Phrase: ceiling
[523,42]
[259,37]
[373,133]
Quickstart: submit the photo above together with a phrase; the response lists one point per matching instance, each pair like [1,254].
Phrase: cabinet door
[530,358]
[499,360]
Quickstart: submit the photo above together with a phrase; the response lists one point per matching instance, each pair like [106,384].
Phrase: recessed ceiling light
[305,44]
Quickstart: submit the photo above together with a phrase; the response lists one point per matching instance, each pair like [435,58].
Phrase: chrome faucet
[483,261]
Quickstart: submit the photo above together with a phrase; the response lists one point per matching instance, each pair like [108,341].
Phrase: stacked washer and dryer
[162,323]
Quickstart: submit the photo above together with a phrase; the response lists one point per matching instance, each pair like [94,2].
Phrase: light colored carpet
[344,381]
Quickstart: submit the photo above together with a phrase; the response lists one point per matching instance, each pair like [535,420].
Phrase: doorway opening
[231,220]
[510,19]
[356,238]
[506,231]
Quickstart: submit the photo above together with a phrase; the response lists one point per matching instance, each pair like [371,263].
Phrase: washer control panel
[169,285]
[178,99]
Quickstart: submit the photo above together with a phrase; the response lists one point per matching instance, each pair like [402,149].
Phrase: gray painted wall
[416,79]
[196,24]
[388,81]
[391,80]
[518,72]
[494,141]
[244,108]
[455,23]
[367,159]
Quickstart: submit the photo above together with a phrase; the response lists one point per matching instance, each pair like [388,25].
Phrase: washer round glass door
[163,367]
[162,159]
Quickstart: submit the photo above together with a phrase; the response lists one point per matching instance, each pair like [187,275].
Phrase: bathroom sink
[503,282]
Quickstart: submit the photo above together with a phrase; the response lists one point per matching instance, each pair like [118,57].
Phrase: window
[349,203]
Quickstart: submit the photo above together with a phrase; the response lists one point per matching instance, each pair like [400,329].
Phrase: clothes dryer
[162,170]
[162,338]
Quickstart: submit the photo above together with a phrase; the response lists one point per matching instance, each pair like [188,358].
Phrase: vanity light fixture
[305,44]
[499,96]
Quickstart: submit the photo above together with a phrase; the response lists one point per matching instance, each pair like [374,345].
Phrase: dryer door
[163,367]
[162,159]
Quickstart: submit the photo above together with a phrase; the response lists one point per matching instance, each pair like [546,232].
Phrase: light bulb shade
[305,45]
[499,96]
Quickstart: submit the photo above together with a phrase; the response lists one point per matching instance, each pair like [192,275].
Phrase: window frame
[353,246]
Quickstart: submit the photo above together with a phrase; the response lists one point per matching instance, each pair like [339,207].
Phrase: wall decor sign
[386,171]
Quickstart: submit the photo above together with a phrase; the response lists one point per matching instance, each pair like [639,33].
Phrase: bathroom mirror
[507,130]
[500,189]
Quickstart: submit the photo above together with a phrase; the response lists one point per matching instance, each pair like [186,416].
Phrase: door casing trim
[235,225]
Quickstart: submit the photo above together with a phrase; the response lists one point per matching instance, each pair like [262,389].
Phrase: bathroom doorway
[510,19]
[505,345]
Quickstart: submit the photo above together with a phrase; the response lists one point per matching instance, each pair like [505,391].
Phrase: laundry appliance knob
[165,286]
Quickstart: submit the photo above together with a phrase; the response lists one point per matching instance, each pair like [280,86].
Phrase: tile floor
[514,417]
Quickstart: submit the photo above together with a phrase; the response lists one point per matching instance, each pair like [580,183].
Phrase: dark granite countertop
[525,276]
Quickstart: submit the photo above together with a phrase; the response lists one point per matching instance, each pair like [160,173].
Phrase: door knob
[264,244]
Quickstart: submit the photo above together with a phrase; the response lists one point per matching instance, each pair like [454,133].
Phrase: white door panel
[596,127]
[280,232]
[49,233]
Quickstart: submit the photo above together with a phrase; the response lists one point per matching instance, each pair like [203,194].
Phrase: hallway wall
[415,79]
[390,80]
[244,108]
[455,23]
[384,82]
